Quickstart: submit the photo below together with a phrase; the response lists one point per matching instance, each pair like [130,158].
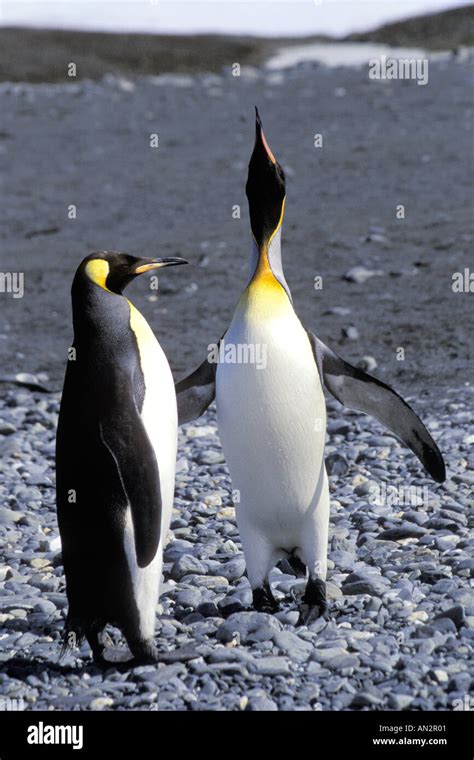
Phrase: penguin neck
[267,295]
[265,267]
[95,308]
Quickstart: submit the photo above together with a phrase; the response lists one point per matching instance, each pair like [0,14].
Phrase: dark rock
[457,614]
[402,531]
[338,427]
[208,609]
[336,464]
[364,699]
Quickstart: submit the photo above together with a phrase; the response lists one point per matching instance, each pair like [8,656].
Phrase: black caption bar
[376,734]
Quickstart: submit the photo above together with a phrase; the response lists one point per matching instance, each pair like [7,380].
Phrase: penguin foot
[144,653]
[99,660]
[95,639]
[314,603]
[263,599]
[310,613]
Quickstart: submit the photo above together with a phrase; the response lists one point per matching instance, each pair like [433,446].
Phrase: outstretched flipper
[364,393]
[196,392]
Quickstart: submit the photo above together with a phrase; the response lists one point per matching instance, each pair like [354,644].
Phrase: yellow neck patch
[264,295]
[98,270]
[144,335]
[263,267]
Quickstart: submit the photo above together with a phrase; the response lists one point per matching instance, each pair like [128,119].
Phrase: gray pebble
[343,662]
[247,624]
[350,332]
[361,587]
[6,428]
[9,516]
[45,606]
[186,564]
[446,543]
[210,457]
[367,364]
[292,645]
[400,701]
[359,274]
[234,569]
[261,704]
[271,666]
[189,598]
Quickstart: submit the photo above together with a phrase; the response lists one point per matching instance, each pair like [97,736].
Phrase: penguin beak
[149,264]
[265,189]
[260,139]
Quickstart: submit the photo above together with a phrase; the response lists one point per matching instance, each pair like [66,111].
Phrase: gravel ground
[401,624]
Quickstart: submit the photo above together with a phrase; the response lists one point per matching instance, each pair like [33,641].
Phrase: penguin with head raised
[115,458]
[272,418]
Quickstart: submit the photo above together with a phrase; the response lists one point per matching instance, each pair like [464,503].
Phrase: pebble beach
[400,630]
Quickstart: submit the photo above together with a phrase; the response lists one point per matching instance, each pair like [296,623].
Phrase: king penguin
[115,458]
[272,417]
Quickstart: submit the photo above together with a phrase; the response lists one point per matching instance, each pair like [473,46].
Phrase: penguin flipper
[359,391]
[195,392]
[137,468]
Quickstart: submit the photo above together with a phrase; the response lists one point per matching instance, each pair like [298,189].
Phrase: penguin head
[265,189]
[113,271]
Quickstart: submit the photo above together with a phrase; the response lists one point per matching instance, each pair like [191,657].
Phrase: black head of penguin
[265,188]
[113,271]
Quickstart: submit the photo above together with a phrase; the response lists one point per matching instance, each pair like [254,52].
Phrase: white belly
[160,418]
[272,424]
